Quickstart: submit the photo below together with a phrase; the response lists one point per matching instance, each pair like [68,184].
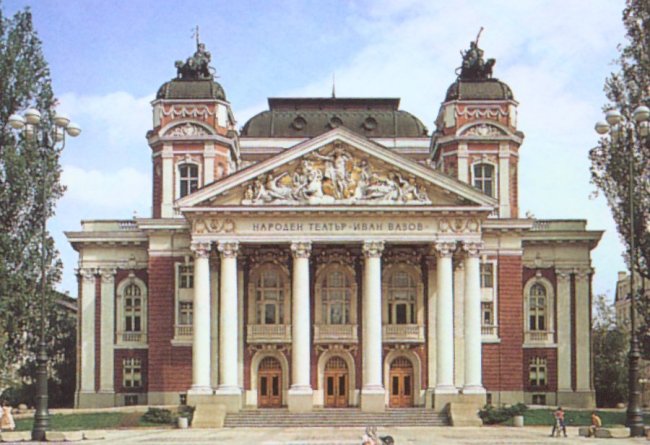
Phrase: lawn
[576,418]
[90,421]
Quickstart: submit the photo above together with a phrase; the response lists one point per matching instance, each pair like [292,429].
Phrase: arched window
[269,296]
[402,294]
[537,302]
[188,179]
[132,311]
[336,294]
[484,178]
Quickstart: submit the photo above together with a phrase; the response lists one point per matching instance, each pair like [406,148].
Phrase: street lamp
[48,138]
[623,133]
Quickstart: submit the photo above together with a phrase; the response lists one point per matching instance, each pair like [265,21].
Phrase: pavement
[352,436]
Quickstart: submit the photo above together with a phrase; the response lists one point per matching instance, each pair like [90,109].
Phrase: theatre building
[332,252]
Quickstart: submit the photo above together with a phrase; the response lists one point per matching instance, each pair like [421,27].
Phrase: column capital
[301,249]
[373,249]
[563,274]
[228,249]
[582,273]
[87,274]
[108,274]
[200,249]
[444,249]
[473,248]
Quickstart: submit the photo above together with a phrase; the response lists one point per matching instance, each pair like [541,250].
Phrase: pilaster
[167,155]
[563,328]
[87,334]
[107,332]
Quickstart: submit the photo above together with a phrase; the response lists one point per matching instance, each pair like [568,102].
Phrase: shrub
[491,415]
[158,415]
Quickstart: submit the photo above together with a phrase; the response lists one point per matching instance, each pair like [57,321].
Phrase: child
[6,420]
[558,425]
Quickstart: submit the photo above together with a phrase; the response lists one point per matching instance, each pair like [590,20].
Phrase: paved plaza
[352,436]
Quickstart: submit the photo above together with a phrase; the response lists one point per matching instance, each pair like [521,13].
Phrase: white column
[583,342]
[201,320]
[563,327]
[167,155]
[372,391]
[504,180]
[214,326]
[107,331]
[432,292]
[228,342]
[300,319]
[473,366]
[445,320]
[87,310]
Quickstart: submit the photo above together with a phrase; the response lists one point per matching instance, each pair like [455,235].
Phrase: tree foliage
[26,168]
[610,346]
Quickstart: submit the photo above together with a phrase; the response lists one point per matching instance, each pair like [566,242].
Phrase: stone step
[281,417]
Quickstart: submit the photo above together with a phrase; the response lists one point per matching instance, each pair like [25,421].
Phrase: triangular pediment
[337,168]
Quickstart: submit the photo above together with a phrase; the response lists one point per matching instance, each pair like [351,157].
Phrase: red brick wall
[171,367]
[98,329]
[550,354]
[502,362]
[119,356]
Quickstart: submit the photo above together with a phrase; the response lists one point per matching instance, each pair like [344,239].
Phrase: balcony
[335,333]
[131,337]
[539,337]
[268,333]
[183,332]
[489,331]
[403,333]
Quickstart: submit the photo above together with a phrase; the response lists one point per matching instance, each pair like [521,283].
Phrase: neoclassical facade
[334,253]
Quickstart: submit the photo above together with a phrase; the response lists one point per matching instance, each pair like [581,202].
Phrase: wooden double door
[337,383]
[269,384]
[401,383]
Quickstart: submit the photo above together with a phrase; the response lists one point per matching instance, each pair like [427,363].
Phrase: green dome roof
[485,89]
[191,89]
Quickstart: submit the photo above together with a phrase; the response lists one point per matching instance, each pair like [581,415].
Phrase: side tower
[193,140]
[476,138]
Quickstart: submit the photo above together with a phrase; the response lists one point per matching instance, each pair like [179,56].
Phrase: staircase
[335,417]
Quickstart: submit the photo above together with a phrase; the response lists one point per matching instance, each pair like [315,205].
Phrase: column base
[576,399]
[373,400]
[443,395]
[300,400]
[200,390]
[231,397]
[91,399]
[474,390]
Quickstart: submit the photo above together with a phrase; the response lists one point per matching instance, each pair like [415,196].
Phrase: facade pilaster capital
[167,151]
[87,274]
[108,274]
[473,248]
[228,249]
[200,249]
[373,249]
[583,273]
[208,150]
[301,249]
[444,249]
[563,274]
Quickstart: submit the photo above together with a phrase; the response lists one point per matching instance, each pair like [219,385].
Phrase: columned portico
[372,392]
[472,328]
[300,396]
[201,322]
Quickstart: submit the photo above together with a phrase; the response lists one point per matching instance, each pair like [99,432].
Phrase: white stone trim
[504,180]
[549,310]
[563,278]
[107,334]
[87,310]
[121,341]
[495,178]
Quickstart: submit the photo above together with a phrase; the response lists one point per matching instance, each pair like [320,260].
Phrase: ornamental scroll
[336,178]
[202,226]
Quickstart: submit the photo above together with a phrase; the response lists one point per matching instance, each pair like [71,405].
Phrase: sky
[108,58]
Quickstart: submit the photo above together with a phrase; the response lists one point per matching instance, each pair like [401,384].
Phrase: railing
[489,331]
[403,333]
[268,333]
[132,337]
[538,337]
[184,331]
[335,333]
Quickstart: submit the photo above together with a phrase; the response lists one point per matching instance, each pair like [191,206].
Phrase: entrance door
[269,384]
[401,383]
[336,383]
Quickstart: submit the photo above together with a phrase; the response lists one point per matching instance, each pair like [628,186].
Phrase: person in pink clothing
[7,420]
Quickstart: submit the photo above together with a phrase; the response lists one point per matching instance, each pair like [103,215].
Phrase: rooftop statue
[196,67]
[474,67]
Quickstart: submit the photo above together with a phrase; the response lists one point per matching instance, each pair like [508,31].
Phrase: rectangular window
[131,373]
[130,399]
[186,277]
[539,399]
[537,372]
[133,314]
[487,275]
[269,314]
[185,313]
[487,314]
[400,314]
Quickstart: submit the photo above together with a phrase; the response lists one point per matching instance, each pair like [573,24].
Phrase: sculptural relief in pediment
[484,130]
[336,176]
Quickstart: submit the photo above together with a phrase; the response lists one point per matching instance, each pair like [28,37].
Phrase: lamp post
[48,138]
[629,133]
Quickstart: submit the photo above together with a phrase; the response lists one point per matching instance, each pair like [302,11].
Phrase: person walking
[558,425]
[7,420]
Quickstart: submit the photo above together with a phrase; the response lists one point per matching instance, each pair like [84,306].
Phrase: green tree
[24,168]
[610,346]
